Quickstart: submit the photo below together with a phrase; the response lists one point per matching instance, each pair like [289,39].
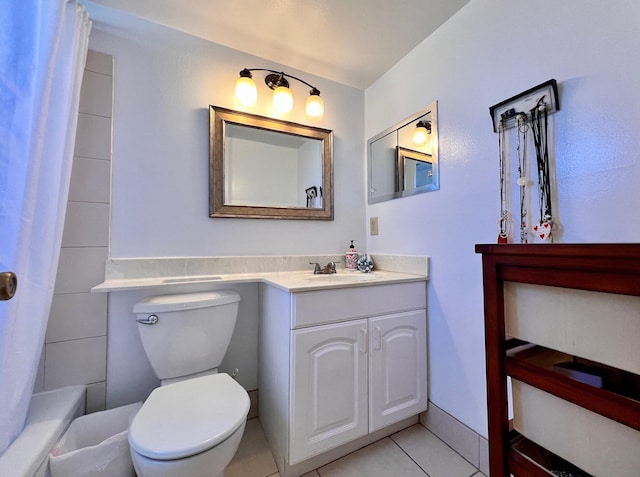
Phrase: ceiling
[353,42]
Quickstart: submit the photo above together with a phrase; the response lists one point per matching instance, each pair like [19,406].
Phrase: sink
[195,278]
[345,277]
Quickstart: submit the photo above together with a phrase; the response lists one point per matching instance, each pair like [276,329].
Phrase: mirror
[267,168]
[397,166]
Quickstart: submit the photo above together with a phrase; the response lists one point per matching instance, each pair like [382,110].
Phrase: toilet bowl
[192,424]
[189,429]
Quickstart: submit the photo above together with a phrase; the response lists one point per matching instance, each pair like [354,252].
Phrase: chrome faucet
[329,268]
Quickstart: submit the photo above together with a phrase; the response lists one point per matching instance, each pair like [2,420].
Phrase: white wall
[165,81]
[489,51]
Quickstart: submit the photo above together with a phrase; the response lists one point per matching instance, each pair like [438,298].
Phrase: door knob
[8,285]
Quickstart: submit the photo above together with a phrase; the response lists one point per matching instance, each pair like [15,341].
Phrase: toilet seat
[185,418]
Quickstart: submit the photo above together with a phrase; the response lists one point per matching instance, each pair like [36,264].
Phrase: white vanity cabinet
[337,365]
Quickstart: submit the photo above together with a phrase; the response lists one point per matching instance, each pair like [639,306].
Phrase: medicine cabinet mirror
[400,167]
[267,168]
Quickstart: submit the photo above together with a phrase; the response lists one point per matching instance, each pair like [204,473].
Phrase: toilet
[192,424]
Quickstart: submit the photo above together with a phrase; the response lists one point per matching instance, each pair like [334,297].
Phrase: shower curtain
[43,47]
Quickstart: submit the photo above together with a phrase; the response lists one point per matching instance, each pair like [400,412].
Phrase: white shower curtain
[43,47]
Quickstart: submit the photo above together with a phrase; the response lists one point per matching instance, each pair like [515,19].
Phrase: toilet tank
[191,333]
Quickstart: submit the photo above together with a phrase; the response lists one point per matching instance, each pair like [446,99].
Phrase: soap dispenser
[351,258]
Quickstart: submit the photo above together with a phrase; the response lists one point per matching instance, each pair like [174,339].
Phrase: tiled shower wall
[75,346]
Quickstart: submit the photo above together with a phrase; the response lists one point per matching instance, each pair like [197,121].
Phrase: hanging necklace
[521,131]
[504,222]
[539,127]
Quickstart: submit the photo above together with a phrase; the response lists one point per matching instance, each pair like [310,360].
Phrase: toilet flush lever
[149,320]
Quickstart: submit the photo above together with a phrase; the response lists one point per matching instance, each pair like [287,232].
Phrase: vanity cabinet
[349,379]
[351,362]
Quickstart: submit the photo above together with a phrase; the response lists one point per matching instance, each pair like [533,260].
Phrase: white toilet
[191,426]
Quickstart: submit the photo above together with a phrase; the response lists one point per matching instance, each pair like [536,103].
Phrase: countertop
[291,281]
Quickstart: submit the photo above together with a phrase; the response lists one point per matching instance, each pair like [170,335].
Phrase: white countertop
[291,281]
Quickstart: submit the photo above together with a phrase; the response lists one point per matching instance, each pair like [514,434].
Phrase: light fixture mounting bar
[278,78]
[273,80]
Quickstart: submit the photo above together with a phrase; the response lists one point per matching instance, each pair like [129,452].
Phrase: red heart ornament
[542,231]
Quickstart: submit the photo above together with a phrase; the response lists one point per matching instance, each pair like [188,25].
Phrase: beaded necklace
[540,131]
[504,222]
[521,131]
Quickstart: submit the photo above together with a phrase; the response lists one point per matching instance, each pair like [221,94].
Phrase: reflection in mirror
[267,168]
[254,158]
[398,166]
[415,169]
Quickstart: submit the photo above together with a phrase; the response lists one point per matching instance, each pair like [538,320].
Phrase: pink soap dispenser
[351,258]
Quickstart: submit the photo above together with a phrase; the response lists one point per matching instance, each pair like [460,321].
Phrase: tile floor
[413,452]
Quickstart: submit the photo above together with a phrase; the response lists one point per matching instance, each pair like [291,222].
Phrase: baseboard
[462,439]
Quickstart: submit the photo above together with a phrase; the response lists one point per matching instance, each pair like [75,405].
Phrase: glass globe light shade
[246,91]
[314,106]
[420,136]
[282,100]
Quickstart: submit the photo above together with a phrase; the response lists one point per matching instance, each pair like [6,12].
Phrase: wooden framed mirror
[268,168]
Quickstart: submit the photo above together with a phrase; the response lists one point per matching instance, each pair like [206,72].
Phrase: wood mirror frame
[220,118]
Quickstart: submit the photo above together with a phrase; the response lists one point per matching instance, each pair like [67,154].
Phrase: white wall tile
[484,455]
[80,269]
[93,137]
[460,437]
[75,362]
[90,180]
[75,352]
[96,393]
[96,94]
[77,315]
[39,384]
[86,225]
[99,62]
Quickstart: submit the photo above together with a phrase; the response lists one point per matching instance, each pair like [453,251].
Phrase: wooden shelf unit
[609,268]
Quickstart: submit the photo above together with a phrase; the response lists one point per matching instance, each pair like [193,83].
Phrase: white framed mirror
[399,165]
[267,168]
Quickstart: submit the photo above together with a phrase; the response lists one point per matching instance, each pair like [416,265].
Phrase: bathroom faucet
[329,268]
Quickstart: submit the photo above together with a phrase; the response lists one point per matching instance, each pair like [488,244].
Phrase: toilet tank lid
[185,301]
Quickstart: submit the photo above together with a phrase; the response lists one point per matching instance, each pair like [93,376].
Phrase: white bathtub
[50,414]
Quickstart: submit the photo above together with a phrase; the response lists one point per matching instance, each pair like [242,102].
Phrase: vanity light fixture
[247,93]
[421,133]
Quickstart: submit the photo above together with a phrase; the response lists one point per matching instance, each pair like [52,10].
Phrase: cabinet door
[328,388]
[398,367]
